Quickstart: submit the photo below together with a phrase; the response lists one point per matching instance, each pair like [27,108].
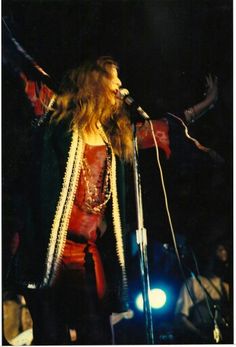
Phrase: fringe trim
[64,207]
[117,221]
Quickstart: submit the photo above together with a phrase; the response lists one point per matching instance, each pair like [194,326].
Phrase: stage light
[157,299]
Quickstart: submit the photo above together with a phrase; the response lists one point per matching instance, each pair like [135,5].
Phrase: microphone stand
[141,236]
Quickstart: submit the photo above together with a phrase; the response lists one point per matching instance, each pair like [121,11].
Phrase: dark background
[165,48]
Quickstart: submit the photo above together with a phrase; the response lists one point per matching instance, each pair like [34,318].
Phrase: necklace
[97,190]
[98,193]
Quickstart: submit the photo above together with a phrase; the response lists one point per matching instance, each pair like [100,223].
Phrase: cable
[166,199]
[195,261]
[168,211]
[216,328]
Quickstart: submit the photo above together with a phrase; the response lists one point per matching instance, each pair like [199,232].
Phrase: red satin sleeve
[38,93]
[161,131]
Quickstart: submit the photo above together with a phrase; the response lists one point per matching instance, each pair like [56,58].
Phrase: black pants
[71,303]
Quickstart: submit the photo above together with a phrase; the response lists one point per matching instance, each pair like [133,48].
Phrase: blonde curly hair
[86,98]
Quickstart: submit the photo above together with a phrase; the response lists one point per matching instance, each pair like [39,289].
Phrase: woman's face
[114,81]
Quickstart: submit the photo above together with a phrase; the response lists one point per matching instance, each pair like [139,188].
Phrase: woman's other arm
[38,85]
[198,110]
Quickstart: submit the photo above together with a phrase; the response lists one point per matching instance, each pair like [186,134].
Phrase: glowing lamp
[157,298]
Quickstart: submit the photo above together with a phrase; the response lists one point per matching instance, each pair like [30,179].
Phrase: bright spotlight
[157,299]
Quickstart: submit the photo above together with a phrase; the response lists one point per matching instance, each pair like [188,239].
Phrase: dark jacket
[54,174]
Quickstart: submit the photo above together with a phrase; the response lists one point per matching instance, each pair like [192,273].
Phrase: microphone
[124,95]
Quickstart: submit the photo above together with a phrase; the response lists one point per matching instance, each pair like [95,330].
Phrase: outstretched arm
[161,127]
[39,86]
[198,110]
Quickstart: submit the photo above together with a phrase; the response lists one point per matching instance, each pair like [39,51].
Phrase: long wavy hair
[85,97]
